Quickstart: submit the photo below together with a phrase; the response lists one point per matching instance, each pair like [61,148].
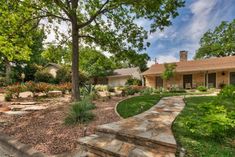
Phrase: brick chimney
[183,56]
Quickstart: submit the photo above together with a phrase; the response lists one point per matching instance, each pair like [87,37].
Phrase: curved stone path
[145,135]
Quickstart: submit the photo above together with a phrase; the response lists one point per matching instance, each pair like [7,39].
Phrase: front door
[232,78]
[159,82]
[212,80]
[188,81]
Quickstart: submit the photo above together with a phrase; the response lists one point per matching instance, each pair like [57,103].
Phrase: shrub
[64,87]
[80,113]
[44,76]
[31,87]
[8,97]
[16,89]
[63,75]
[177,90]
[147,91]
[3,81]
[202,88]
[101,88]
[111,89]
[228,92]
[133,81]
[89,90]
[43,87]
[214,121]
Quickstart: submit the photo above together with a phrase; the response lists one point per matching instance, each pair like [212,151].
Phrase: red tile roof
[221,63]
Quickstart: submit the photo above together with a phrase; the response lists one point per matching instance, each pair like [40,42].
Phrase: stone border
[18,149]
[115,108]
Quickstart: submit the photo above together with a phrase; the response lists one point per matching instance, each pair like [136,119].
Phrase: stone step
[147,134]
[105,146]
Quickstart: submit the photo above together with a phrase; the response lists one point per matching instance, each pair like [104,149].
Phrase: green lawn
[136,105]
[195,145]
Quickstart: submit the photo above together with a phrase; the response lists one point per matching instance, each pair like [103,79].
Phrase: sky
[196,18]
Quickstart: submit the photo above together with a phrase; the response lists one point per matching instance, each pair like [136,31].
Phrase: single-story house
[212,73]
[120,76]
[52,68]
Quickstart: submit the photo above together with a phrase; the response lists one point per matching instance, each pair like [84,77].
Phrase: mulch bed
[45,130]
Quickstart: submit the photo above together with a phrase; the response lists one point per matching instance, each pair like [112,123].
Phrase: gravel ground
[4,153]
[45,130]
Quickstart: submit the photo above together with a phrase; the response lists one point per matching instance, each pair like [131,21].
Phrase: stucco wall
[52,70]
[117,81]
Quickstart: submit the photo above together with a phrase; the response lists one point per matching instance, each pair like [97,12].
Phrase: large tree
[15,32]
[109,24]
[129,58]
[218,43]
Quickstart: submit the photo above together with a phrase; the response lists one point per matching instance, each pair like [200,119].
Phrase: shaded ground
[45,131]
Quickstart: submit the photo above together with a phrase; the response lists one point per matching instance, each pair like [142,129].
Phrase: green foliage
[213,121]
[3,81]
[8,96]
[80,112]
[30,71]
[177,90]
[216,118]
[202,88]
[169,71]
[111,89]
[101,88]
[131,58]
[228,92]
[44,76]
[16,30]
[133,81]
[63,75]
[195,143]
[89,91]
[94,63]
[218,43]
[57,54]
[147,91]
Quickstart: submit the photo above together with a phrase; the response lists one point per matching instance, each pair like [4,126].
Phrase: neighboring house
[212,73]
[52,68]
[120,76]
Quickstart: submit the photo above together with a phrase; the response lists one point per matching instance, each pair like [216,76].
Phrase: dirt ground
[45,130]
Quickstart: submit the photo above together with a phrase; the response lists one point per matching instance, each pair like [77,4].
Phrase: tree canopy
[218,43]
[15,37]
[130,58]
[94,63]
[110,25]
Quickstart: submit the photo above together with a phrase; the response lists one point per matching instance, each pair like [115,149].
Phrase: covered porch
[191,80]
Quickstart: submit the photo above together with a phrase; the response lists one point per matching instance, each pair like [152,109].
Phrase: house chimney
[183,56]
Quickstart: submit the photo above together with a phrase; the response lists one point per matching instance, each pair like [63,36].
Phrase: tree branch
[92,18]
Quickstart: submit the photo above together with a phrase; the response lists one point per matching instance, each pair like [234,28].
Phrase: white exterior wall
[52,70]
[117,81]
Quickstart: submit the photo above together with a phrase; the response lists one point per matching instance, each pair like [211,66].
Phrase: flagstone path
[146,135]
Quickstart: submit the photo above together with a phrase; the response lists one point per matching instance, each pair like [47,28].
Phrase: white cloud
[200,22]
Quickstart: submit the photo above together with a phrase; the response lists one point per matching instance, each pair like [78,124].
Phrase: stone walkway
[145,135]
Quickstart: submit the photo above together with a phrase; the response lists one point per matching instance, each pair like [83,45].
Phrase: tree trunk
[8,70]
[75,62]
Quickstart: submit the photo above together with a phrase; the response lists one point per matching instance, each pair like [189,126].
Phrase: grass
[196,145]
[136,105]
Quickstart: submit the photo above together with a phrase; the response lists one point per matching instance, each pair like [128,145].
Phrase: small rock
[16,112]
